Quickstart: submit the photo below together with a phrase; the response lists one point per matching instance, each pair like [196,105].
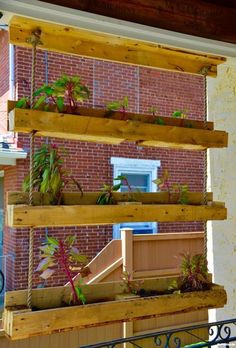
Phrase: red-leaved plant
[120,106]
[63,254]
[65,94]
[194,273]
[164,184]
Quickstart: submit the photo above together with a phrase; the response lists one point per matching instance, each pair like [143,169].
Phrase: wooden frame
[79,214]
[111,47]
[92,125]
[90,198]
[82,215]
[22,323]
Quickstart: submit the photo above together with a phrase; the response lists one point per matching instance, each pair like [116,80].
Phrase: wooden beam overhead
[90,44]
[212,19]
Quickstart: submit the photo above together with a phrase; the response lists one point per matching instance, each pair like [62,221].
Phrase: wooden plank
[107,130]
[116,115]
[79,215]
[90,198]
[150,254]
[99,277]
[51,297]
[110,47]
[168,236]
[127,250]
[156,273]
[108,255]
[33,323]
[147,245]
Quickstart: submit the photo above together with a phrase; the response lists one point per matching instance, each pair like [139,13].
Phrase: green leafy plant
[182,114]
[194,273]
[164,184]
[63,253]
[49,176]
[179,113]
[65,94]
[129,286]
[174,287]
[119,105]
[155,117]
[106,197]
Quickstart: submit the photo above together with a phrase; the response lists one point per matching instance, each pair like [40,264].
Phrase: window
[140,174]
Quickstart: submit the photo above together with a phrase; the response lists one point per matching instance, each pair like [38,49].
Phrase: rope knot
[34,39]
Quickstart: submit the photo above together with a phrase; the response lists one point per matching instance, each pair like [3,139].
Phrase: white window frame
[135,166]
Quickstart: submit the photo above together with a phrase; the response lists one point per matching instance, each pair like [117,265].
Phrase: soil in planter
[148,293]
[187,287]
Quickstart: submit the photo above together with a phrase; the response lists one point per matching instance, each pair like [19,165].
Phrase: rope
[34,40]
[205,168]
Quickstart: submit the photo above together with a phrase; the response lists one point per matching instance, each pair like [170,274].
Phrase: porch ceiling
[212,19]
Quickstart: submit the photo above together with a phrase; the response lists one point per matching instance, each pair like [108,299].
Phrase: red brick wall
[4,78]
[90,163]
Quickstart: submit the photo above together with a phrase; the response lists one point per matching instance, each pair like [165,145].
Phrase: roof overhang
[88,21]
[9,157]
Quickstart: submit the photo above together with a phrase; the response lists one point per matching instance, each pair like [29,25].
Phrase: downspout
[11,72]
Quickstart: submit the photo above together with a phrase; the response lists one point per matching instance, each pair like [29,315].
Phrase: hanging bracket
[34,39]
[204,70]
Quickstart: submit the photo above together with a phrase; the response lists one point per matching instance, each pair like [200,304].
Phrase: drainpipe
[11,72]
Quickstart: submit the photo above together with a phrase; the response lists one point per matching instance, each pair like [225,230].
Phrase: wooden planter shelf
[94,125]
[20,322]
[79,211]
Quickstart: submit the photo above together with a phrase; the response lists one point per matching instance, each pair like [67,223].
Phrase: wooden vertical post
[127,250]
[127,255]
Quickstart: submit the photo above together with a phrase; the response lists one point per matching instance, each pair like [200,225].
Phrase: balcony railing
[221,333]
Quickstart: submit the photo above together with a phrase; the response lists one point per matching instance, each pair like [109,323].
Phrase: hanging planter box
[99,126]
[83,210]
[22,323]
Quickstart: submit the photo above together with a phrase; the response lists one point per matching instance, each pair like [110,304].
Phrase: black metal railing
[221,333]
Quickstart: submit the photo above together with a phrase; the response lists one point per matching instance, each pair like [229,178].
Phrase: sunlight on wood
[86,43]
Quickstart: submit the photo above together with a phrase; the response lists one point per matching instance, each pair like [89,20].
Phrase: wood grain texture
[90,198]
[111,131]
[22,324]
[110,254]
[79,215]
[212,19]
[111,47]
[127,250]
[169,121]
[148,256]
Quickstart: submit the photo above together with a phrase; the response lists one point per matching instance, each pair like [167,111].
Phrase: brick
[89,162]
